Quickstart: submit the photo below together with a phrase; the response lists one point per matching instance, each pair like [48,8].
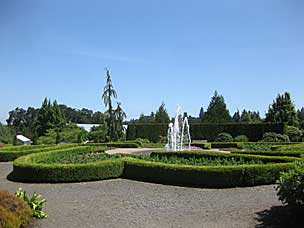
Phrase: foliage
[70,133]
[14,212]
[293,133]
[270,153]
[143,168]
[241,138]
[119,116]
[98,134]
[291,186]
[291,147]
[161,115]
[274,137]
[109,93]
[200,131]
[282,110]
[11,153]
[7,134]
[229,145]
[49,117]
[217,111]
[223,137]
[35,203]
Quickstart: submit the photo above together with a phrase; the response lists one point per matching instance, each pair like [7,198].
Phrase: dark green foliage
[33,168]
[294,133]
[250,117]
[274,137]
[236,117]
[6,134]
[254,132]
[270,153]
[99,134]
[300,114]
[70,133]
[126,144]
[241,138]
[119,116]
[291,186]
[223,137]
[14,212]
[30,168]
[49,117]
[161,115]
[282,110]
[217,111]
[219,145]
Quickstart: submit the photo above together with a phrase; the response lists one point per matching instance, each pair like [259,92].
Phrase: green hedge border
[16,152]
[26,170]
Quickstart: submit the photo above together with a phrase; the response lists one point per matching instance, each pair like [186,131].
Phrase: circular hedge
[39,168]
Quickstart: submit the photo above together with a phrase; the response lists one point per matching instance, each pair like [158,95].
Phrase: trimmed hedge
[30,169]
[206,131]
[11,153]
[128,144]
[219,145]
[271,153]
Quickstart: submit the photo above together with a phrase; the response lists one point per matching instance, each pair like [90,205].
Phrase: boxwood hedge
[31,169]
[11,153]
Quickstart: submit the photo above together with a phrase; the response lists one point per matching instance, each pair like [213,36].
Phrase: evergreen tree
[109,93]
[119,116]
[300,114]
[217,111]
[201,114]
[49,117]
[236,116]
[282,110]
[162,116]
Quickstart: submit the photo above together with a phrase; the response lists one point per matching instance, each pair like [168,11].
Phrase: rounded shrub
[241,138]
[274,137]
[293,133]
[223,137]
[291,186]
[14,212]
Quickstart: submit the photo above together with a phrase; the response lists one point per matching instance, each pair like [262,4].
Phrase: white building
[23,140]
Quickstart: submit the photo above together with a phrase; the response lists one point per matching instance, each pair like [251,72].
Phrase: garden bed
[215,170]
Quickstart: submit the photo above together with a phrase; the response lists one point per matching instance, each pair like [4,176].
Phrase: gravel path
[124,203]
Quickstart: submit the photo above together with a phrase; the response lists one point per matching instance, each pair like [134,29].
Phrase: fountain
[178,133]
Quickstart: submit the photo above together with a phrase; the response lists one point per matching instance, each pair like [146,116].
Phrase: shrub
[270,153]
[293,133]
[241,138]
[274,137]
[223,137]
[291,186]
[35,203]
[205,131]
[14,212]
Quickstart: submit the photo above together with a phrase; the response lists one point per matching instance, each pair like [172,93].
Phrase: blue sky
[174,51]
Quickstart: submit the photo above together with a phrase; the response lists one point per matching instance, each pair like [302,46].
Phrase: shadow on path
[280,217]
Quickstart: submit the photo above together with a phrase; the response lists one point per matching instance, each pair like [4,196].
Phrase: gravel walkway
[123,203]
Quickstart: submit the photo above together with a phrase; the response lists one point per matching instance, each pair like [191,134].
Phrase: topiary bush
[241,138]
[14,212]
[223,137]
[274,137]
[291,186]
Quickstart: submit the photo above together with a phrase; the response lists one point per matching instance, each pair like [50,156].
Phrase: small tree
[162,116]
[119,116]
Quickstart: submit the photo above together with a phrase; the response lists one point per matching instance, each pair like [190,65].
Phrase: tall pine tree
[217,111]
[162,116]
[282,110]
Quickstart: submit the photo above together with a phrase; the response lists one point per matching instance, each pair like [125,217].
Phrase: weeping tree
[119,116]
[108,94]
